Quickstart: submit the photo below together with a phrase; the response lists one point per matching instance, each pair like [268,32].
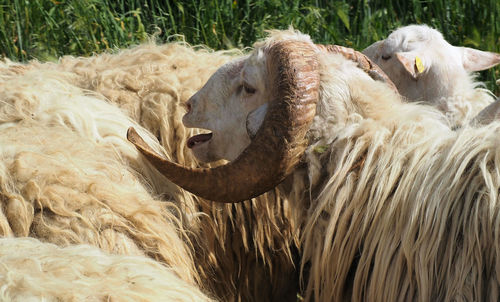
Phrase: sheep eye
[248,89]
[386,57]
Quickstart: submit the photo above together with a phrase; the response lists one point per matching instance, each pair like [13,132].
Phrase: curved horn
[278,145]
[372,69]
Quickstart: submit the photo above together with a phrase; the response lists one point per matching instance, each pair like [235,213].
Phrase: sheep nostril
[188,107]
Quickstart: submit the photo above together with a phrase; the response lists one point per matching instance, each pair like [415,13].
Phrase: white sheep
[67,175]
[65,189]
[426,68]
[395,205]
[34,271]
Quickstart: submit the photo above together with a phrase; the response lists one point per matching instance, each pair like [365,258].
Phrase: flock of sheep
[335,186]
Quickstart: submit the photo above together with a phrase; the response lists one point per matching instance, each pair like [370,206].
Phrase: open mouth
[198,140]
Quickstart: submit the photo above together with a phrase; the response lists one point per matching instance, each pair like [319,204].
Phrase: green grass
[45,30]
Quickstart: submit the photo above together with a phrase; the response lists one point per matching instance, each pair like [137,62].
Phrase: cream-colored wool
[65,189]
[34,271]
[67,153]
[47,97]
[241,252]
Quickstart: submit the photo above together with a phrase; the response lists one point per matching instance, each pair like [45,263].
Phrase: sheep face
[224,106]
[423,65]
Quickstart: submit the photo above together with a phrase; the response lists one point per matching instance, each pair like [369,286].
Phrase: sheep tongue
[197,139]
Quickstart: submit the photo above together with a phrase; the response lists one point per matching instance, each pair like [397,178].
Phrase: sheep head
[418,58]
[259,110]
[226,100]
[290,68]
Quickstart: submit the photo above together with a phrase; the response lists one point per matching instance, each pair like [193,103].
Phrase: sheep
[67,177]
[426,68]
[395,205]
[34,271]
[60,189]
[233,259]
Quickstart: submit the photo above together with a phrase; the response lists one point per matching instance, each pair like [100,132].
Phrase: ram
[394,204]
[235,257]
[426,68]
[245,251]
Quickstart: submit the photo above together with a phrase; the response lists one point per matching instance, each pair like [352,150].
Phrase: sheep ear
[413,64]
[373,49]
[476,60]
[255,119]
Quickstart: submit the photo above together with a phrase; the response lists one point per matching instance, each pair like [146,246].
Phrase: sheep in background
[34,271]
[425,67]
[236,258]
[395,205]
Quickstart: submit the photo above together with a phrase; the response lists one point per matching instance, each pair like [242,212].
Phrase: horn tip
[136,139]
[131,134]
[141,145]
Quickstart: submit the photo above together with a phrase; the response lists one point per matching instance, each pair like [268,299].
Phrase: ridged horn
[372,69]
[278,145]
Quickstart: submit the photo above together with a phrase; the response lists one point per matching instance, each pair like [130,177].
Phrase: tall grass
[47,29]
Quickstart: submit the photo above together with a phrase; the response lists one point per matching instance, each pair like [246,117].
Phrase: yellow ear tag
[419,64]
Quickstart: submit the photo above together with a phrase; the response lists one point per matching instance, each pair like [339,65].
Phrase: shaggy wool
[64,189]
[403,208]
[34,271]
